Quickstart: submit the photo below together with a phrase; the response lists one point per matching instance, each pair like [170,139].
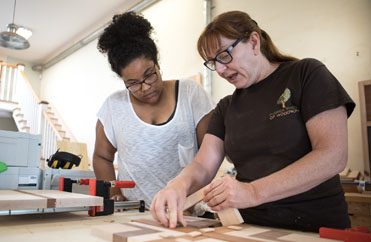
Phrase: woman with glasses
[154,126]
[284,128]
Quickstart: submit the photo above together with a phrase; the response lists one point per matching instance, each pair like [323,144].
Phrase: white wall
[333,31]
[337,32]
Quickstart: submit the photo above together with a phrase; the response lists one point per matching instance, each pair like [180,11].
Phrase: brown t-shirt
[263,128]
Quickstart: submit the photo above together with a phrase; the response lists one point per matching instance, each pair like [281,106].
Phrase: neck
[267,69]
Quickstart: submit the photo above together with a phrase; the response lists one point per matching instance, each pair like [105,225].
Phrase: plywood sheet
[33,199]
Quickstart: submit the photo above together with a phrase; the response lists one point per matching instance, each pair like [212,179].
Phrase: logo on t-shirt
[286,109]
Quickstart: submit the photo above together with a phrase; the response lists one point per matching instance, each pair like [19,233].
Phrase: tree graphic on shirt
[284,98]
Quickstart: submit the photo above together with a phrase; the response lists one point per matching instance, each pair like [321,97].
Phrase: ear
[255,42]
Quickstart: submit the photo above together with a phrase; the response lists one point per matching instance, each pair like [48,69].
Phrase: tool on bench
[102,188]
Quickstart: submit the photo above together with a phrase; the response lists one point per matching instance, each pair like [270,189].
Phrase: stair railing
[14,87]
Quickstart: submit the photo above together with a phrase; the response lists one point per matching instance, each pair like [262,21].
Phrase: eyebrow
[145,74]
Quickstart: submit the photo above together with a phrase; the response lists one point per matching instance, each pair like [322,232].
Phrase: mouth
[149,95]
[232,77]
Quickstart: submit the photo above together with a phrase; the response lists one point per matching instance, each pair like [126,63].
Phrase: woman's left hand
[227,192]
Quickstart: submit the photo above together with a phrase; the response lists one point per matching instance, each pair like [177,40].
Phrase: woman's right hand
[167,206]
[116,194]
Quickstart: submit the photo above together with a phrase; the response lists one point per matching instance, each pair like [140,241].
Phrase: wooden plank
[68,199]
[14,200]
[33,199]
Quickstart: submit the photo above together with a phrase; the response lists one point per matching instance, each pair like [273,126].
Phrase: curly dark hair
[126,38]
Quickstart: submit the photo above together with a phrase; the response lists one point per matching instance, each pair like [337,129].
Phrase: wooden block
[106,231]
[76,149]
[235,227]
[194,233]
[230,216]
[206,230]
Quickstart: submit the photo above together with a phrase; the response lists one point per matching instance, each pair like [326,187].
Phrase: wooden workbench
[77,227]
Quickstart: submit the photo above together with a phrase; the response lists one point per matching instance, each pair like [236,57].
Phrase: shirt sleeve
[216,125]
[105,117]
[201,102]
[322,91]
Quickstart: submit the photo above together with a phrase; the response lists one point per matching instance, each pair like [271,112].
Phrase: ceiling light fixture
[11,39]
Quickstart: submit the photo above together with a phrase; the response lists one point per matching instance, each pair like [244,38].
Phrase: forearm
[194,177]
[203,167]
[103,168]
[304,174]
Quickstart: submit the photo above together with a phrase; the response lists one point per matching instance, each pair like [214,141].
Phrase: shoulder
[190,84]
[118,95]
[306,63]
[225,102]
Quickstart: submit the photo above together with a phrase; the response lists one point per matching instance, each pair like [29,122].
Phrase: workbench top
[58,227]
[74,226]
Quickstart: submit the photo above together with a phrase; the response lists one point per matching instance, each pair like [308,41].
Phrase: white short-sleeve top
[151,155]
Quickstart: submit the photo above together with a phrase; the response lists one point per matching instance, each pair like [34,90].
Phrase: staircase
[31,114]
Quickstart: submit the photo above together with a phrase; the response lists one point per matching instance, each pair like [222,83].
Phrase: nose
[145,86]
[220,68]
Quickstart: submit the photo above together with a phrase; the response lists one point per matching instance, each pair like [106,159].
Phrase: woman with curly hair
[154,126]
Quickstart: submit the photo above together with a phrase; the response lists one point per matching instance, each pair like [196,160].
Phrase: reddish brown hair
[234,25]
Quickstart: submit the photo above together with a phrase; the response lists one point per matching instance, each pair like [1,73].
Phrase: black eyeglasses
[223,57]
[135,86]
